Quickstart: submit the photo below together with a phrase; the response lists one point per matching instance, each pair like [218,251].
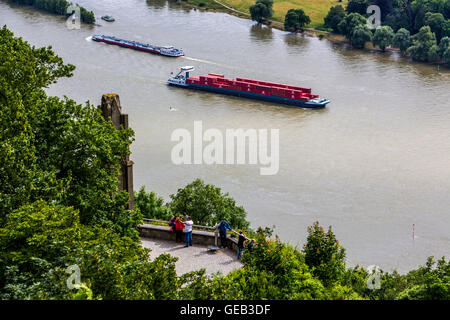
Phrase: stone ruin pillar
[111,109]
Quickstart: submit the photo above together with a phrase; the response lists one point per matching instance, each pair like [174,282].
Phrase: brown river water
[372,164]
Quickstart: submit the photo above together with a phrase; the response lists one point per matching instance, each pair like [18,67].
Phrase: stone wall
[198,237]
[111,109]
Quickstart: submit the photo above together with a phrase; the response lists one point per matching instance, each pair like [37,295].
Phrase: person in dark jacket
[172,223]
[223,226]
[241,241]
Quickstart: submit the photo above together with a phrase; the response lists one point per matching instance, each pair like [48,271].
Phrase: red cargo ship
[248,88]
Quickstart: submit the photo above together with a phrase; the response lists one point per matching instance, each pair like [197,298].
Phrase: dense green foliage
[423,41]
[404,18]
[334,17]
[151,205]
[59,7]
[60,206]
[349,23]
[383,37]
[357,6]
[402,40]
[295,20]
[324,254]
[360,35]
[261,10]
[207,205]
[204,203]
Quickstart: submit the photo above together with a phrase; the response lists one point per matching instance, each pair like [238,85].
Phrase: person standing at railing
[240,245]
[223,226]
[172,223]
[179,226]
[188,230]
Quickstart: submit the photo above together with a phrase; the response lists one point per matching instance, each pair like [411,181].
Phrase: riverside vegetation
[420,29]
[60,206]
[58,7]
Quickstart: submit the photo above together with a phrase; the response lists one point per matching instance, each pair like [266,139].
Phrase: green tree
[349,23]
[295,20]
[444,45]
[433,54]
[261,10]
[446,29]
[59,7]
[87,16]
[446,56]
[402,40]
[39,241]
[357,6]
[384,5]
[360,35]
[383,37]
[428,282]
[422,42]
[437,22]
[324,254]
[151,206]
[74,153]
[334,17]
[24,72]
[207,205]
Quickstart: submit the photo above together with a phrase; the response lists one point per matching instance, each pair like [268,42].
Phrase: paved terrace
[156,235]
[195,257]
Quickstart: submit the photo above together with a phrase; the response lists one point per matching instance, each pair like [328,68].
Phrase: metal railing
[166,224]
[214,229]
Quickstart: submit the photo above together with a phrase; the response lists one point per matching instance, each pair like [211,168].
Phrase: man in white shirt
[188,230]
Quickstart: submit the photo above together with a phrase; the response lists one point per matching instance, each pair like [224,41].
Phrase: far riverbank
[216,6]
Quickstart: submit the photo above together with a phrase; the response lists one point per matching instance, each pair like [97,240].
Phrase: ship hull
[136,48]
[252,95]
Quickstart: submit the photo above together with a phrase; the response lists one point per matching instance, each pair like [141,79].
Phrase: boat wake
[89,38]
[205,61]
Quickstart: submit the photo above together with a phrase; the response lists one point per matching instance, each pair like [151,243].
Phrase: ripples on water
[371,164]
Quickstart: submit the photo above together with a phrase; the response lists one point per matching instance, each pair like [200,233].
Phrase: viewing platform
[156,235]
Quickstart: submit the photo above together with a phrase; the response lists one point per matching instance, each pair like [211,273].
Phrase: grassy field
[315,9]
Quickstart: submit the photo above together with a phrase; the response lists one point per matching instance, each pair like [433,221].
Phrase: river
[372,164]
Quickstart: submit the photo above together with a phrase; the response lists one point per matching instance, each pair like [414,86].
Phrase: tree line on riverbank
[419,28]
[58,7]
[61,210]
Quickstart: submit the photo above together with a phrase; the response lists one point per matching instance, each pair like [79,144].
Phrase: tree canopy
[383,37]
[296,20]
[207,205]
[349,23]
[59,7]
[406,18]
[334,17]
[261,10]
[402,40]
[423,41]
